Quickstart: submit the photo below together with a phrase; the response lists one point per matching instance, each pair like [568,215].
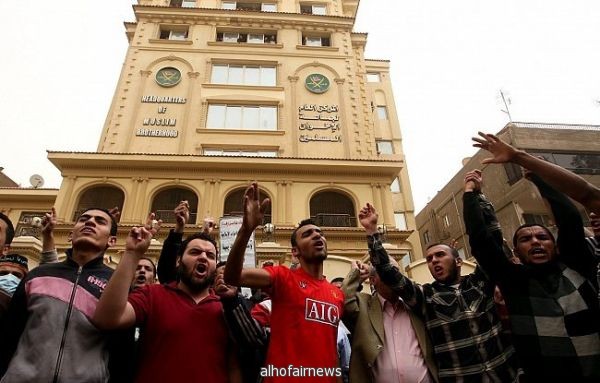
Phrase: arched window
[106,197]
[333,209]
[234,204]
[167,200]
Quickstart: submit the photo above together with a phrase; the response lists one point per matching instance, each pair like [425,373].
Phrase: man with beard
[459,312]
[306,308]
[177,319]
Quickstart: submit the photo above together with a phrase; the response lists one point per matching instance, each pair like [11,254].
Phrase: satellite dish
[36,181]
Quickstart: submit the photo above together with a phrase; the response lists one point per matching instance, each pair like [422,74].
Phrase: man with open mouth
[145,274]
[306,308]
[183,316]
[459,311]
[552,296]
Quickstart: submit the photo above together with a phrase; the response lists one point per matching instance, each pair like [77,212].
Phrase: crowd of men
[529,312]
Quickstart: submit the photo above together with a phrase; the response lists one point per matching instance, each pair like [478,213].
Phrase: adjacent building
[214,94]
[516,200]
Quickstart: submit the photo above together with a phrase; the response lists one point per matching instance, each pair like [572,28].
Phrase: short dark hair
[304,222]
[199,235]
[453,250]
[151,262]
[113,222]
[338,279]
[524,226]
[10,229]
[220,264]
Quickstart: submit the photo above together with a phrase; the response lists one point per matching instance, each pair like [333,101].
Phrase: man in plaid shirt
[551,297]
[459,312]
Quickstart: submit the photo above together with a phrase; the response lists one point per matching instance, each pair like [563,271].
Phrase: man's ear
[295,252]
[177,261]
[70,237]
[112,240]
[459,261]
[5,249]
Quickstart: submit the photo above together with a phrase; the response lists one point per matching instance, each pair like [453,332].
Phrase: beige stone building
[214,94]
[516,200]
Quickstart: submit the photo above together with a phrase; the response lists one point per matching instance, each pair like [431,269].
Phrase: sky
[449,61]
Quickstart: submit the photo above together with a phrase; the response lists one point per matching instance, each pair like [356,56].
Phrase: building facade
[214,94]
[516,200]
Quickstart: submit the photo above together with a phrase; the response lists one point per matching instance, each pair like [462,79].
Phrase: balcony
[334,220]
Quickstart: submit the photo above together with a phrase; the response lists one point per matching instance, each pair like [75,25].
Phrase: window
[513,172]
[188,3]
[382,113]
[167,199]
[426,237]
[400,219]
[539,219]
[316,41]
[313,9]
[100,196]
[234,205]
[385,147]
[446,220]
[249,6]
[236,153]
[242,117]
[252,38]
[173,33]
[269,7]
[243,75]
[373,77]
[333,209]
[395,186]
[405,261]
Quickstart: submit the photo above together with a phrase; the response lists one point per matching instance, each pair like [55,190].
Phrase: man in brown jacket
[389,342]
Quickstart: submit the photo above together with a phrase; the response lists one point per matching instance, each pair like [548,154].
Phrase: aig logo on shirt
[321,312]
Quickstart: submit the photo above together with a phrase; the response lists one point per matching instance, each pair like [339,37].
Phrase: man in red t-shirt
[306,308]
[184,337]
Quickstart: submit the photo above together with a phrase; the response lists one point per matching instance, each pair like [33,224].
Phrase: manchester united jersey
[304,321]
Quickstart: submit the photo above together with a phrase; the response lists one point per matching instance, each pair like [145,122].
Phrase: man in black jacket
[551,297]
[49,315]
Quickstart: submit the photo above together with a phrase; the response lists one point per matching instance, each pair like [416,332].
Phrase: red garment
[304,321]
[181,341]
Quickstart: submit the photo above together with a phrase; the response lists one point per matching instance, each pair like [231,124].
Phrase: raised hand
[501,151]
[222,289]
[254,210]
[208,225]
[368,218]
[182,216]
[473,180]
[138,241]
[152,225]
[49,223]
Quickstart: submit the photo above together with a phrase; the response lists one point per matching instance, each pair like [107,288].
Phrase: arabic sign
[228,229]
[324,114]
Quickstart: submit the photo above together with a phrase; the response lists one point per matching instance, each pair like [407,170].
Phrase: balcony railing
[168,216]
[334,220]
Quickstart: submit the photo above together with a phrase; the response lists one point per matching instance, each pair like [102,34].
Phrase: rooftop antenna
[506,100]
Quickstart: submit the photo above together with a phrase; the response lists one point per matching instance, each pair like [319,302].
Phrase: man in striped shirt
[459,312]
